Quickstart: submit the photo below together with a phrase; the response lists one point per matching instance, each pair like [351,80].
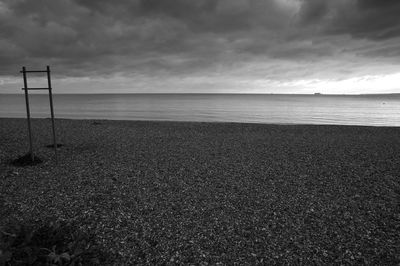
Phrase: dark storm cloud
[199,15]
[371,19]
[376,19]
[73,33]
[313,11]
[182,37]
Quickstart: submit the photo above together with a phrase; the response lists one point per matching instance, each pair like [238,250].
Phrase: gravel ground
[210,193]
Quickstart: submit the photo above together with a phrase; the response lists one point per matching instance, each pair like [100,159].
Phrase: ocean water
[371,110]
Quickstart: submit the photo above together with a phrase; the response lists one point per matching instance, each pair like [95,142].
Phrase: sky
[202,46]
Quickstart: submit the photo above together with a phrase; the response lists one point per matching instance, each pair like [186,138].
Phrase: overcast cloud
[203,45]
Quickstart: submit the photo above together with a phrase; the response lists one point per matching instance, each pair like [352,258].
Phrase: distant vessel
[317,93]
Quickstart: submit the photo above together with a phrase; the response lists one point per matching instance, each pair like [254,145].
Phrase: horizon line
[210,93]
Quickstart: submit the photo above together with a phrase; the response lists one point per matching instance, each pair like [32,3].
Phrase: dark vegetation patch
[59,145]
[26,160]
[52,243]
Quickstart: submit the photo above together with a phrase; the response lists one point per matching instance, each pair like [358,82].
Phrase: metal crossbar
[35,89]
[28,114]
[33,71]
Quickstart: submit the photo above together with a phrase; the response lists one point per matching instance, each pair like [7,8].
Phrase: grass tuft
[53,243]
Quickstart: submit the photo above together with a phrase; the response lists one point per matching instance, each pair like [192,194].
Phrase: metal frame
[28,114]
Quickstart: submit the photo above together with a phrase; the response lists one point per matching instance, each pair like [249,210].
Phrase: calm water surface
[377,110]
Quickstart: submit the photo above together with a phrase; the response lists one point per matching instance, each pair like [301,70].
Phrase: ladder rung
[33,71]
[35,88]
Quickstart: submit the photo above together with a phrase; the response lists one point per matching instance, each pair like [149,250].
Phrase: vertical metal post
[52,113]
[28,114]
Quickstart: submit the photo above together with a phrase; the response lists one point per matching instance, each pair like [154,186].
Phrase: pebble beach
[207,193]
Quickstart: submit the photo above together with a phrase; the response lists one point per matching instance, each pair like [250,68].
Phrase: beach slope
[180,192]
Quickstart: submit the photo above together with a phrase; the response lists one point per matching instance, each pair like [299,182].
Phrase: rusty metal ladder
[28,114]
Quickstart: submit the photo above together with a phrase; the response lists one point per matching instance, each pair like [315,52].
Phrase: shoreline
[200,122]
[187,192]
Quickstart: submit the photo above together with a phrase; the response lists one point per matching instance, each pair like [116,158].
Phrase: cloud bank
[201,45]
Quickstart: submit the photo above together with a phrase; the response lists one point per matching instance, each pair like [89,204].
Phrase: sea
[365,110]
